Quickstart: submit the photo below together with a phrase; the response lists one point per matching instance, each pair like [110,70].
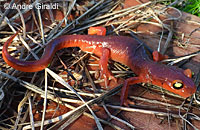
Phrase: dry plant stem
[118,119]
[114,72]
[51,15]
[78,60]
[164,26]
[154,101]
[174,3]
[35,21]
[15,71]
[91,102]
[40,91]
[106,20]
[67,100]
[95,6]
[115,6]
[123,24]
[11,48]
[23,23]
[9,23]
[132,24]
[1,96]
[106,7]
[3,128]
[61,61]
[25,10]
[34,77]
[31,114]
[55,29]
[14,17]
[41,24]
[142,111]
[197,80]
[99,81]
[173,18]
[5,32]
[128,25]
[31,87]
[45,101]
[6,12]
[147,17]
[120,67]
[17,119]
[169,38]
[61,81]
[31,38]
[25,116]
[176,60]
[89,77]
[72,118]
[29,49]
[75,21]
[186,119]
[159,44]
[4,84]
[70,92]
[124,12]
[66,4]
[23,101]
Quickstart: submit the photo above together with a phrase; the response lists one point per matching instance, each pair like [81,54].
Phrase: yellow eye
[177,84]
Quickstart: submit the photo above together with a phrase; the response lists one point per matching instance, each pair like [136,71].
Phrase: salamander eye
[177,84]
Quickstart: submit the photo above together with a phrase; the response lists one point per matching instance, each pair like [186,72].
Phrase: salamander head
[173,79]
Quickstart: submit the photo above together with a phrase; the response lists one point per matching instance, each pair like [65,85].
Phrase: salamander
[123,49]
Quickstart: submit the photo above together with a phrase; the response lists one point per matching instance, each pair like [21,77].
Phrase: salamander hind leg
[97,31]
[103,64]
[157,56]
[124,91]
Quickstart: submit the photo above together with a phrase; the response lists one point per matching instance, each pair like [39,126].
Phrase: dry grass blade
[6,12]
[176,60]
[1,95]
[184,118]
[67,121]
[55,29]
[31,114]
[45,101]
[118,119]
[75,21]
[154,102]
[40,23]
[91,102]
[116,15]
[25,84]
[61,81]
[142,111]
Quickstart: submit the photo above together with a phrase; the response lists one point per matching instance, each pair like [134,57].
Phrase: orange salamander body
[122,49]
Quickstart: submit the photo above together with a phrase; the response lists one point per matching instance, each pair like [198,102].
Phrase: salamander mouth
[183,91]
[187,92]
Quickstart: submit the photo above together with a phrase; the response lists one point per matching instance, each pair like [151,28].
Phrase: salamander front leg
[124,92]
[103,64]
